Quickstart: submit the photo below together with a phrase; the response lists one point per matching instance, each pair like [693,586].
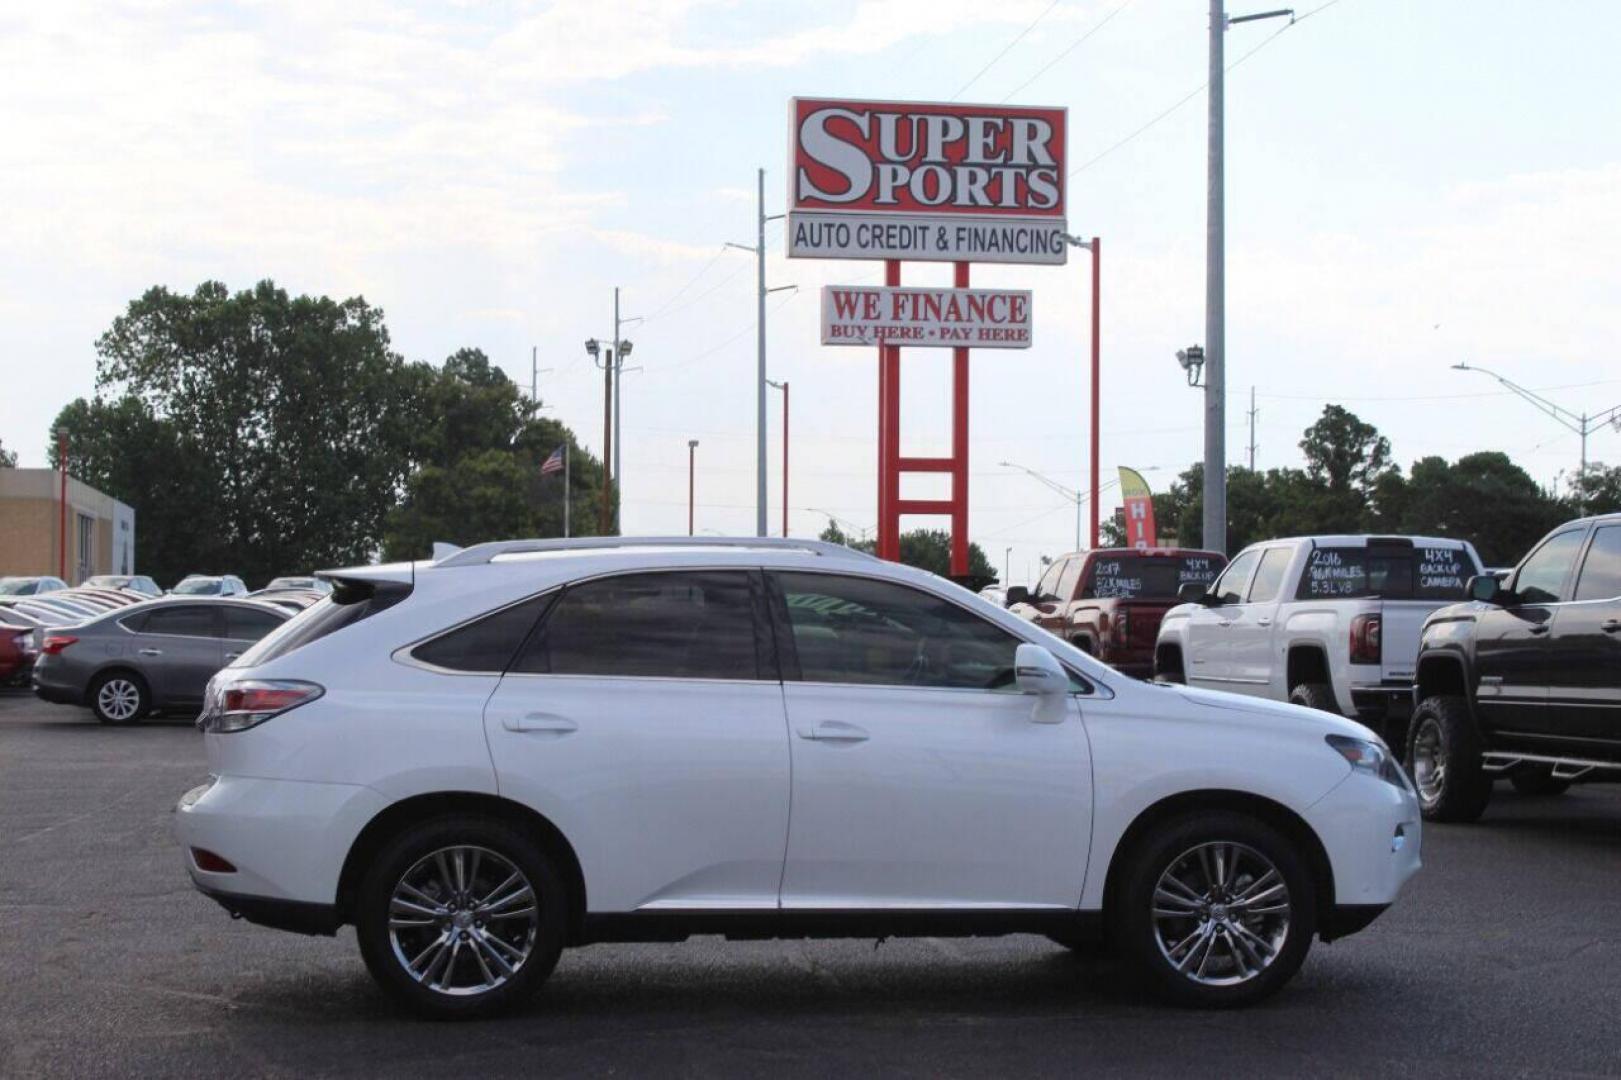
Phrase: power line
[1077,43]
[1201,88]
[1005,50]
[660,310]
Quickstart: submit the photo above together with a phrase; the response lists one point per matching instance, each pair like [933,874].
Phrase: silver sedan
[150,656]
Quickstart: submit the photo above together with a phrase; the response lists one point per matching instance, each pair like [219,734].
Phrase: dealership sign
[957,318]
[900,180]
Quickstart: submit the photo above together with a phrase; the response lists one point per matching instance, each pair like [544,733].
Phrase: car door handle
[833,731]
[1537,631]
[538,723]
[1224,622]
[150,652]
[232,655]
[1610,626]
[1263,622]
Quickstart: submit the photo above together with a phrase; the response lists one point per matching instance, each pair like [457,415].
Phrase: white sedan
[529,745]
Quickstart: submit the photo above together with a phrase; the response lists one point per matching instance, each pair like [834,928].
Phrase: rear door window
[1601,570]
[683,624]
[183,620]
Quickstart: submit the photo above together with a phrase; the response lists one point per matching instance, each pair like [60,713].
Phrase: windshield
[1148,577]
[198,587]
[16,586]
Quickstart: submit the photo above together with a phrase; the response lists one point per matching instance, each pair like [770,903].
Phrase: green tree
[1484,498]
[1596,491]
[120,448]
[8,458]
[926,549]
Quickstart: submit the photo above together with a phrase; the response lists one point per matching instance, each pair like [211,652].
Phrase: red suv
[1109,601]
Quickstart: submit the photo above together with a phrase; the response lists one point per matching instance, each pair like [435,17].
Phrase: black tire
[1537,780]
[1315,695]
[1084,644]
[120,697]
[1443,758]
[1168,666]
[1147,941]
[414,850]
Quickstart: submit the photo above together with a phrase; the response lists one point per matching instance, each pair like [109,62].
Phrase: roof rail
[479,554]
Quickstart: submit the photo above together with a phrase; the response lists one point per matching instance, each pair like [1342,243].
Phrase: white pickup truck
[1330,622]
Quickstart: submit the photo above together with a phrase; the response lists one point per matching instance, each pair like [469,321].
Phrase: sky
[1410,184]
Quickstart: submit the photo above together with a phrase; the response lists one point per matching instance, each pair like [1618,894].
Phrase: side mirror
[1037,671]
[1485,588]
[1017,594]
[1192,592]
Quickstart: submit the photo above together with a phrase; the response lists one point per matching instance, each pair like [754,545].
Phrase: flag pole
[565,489]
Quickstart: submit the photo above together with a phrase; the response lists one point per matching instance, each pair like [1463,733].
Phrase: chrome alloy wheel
[462,920]
[1429,762]
[1221,913]
[118,699]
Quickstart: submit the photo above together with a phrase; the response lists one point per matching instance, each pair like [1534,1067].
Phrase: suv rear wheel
[461,917]
[1443,756]
[1216,910]
[1315,696]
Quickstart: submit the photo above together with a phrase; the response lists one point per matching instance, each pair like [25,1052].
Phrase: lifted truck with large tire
[1523,681]
[1328,622]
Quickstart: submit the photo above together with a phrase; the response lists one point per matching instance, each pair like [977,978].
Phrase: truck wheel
[1537,780]
[1168,665]
[1443,756]
[1315,695]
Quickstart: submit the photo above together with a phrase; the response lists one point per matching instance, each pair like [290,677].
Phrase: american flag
[553,464]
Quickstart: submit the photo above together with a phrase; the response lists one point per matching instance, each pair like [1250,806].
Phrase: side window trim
[1589,543]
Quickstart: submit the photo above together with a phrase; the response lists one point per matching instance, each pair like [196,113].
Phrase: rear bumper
[1378,703]
[55,692]
[291,915]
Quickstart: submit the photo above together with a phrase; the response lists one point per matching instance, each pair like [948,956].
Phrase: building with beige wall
[100,529]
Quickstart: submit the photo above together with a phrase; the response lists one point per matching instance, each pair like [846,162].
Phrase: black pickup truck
[1524,680]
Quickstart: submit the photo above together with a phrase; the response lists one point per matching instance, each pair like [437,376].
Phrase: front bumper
[1370,830]
[287,839]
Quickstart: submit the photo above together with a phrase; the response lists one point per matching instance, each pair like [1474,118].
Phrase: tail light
[24,642]
[1365,634]
[1122,626]
[238,706]
[55,643]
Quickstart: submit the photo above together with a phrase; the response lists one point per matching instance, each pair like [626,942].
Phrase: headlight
[1371,758]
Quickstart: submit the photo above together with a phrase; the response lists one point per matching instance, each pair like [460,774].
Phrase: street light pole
[692,487]
[1583,424]
[1095,246]
[62,467]
[783,386]
[1215,319]
[1007,565]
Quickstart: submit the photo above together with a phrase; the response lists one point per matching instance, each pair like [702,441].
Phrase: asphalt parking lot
[1503,958]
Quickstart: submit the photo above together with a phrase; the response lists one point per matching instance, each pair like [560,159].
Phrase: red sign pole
[889,438]
[959,445]
[1097,248]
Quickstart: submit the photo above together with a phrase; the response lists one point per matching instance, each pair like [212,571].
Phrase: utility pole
[608,480]
[758,249]
[692,483]
[1215,317]
[1253,412]
[783,386]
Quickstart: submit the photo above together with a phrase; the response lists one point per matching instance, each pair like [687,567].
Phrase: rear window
[1149,577]
[348,604]
[487,644]
[1388,573]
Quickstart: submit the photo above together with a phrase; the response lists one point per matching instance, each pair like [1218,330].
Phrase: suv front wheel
[461,917]
[1216,910]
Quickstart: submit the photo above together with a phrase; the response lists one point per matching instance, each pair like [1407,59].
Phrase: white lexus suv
[528,745]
